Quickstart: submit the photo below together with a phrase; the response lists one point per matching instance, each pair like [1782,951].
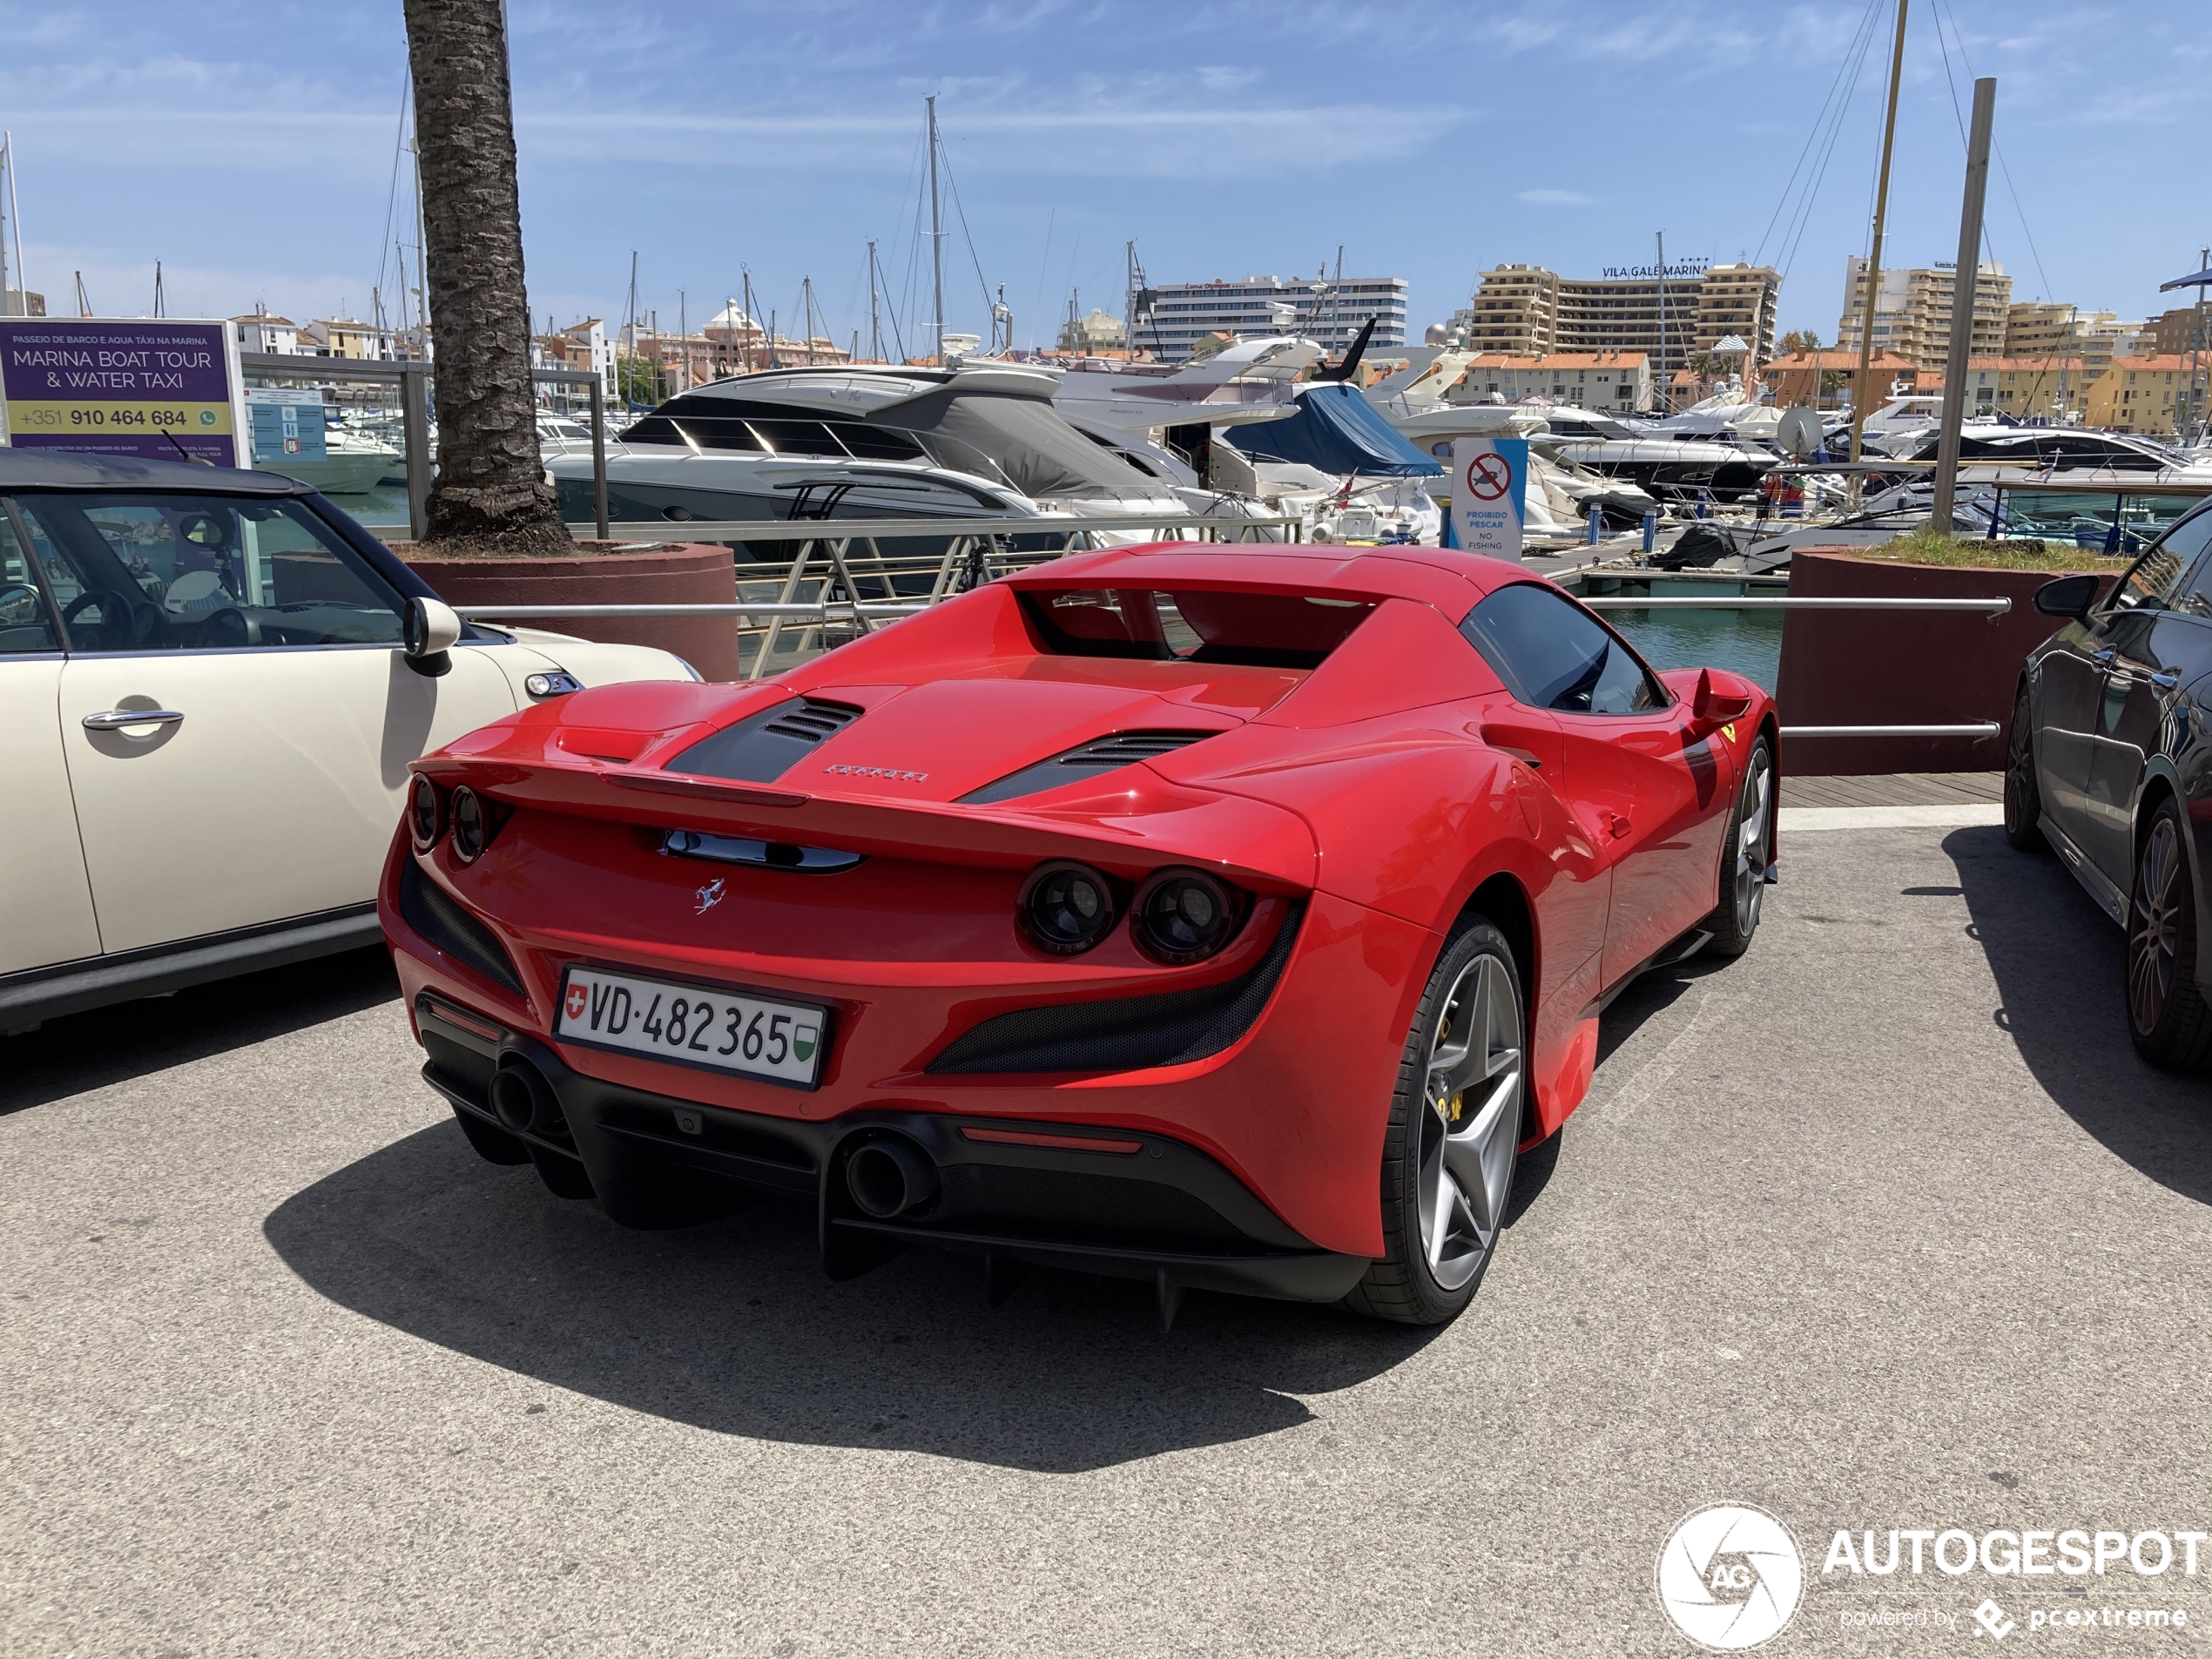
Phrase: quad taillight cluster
[462,813]
[1175,916]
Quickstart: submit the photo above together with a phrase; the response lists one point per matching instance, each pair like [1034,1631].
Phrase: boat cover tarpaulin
[1337,430]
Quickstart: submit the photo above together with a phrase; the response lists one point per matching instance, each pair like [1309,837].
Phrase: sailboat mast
[1858,391]
[1129,300]
[936,238]
[14,215]
[5,167]
[630,321]
[1666,381]
[875,326]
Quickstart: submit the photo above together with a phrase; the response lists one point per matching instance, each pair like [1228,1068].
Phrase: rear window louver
[762,747]
[1086,761]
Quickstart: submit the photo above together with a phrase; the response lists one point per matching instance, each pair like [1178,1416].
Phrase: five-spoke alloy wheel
[1456,1122]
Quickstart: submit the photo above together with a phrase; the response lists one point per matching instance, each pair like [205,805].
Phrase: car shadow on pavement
[731,1327]
[2058,961]
[114,1044]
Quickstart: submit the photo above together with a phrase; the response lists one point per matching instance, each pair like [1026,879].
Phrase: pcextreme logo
[1729,1577]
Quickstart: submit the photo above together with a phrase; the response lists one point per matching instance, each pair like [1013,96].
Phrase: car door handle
[115,719]
[1621,826]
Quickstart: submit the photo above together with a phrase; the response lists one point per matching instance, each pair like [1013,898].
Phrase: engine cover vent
[762,747]
[1087,761]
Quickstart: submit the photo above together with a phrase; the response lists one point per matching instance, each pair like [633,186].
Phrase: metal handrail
[1969,729]
[1743,602]
[861,530]
[830,611]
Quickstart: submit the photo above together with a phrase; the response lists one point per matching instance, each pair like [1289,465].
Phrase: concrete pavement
[1882,1226]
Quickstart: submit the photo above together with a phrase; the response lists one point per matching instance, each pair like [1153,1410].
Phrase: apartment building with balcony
[1328,311]
[1526,310]
[2146,394]
[1615,382]
[1911,311]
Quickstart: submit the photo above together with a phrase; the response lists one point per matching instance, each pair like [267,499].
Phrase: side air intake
[1087,761]
[762,747]
[440,918]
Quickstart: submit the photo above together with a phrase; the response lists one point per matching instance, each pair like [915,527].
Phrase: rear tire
[1744,858]
[493,1144]
[1456,1121]
[2167,1016]
[2023,795]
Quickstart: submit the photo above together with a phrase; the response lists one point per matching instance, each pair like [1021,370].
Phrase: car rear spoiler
[1141,824]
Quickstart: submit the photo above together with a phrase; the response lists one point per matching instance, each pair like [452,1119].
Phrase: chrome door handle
[115,719]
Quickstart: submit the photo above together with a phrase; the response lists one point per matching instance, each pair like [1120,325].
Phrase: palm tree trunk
[490,488]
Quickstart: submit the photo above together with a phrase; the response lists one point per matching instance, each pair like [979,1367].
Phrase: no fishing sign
[1489,493]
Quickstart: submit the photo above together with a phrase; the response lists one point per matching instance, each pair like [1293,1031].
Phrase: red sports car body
[1095,918]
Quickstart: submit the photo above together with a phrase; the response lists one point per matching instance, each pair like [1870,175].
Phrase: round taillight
[1066,908]
[426,813]
[1183,916]
[470,825]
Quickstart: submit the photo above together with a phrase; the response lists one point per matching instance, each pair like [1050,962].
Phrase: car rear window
[1193,624]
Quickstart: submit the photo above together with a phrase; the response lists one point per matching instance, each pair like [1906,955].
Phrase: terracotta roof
[1561,359]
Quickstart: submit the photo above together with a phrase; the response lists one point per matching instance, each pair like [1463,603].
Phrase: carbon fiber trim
[435,913]
[1123,1034]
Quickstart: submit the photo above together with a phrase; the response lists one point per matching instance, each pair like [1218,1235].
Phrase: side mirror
[426,632]
[430,627]
[1718,702]
[2069,596]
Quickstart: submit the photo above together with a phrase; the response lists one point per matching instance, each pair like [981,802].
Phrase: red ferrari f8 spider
[1226,920]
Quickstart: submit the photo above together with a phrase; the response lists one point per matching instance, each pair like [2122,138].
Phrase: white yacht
[976,442]
[1165,418]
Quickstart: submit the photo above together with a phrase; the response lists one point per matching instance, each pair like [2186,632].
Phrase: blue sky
[251,147]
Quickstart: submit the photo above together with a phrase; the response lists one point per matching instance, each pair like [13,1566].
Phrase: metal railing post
[599,453]
[415,424]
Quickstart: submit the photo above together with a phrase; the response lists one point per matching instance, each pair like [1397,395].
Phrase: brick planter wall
[695,573]
[1902,667]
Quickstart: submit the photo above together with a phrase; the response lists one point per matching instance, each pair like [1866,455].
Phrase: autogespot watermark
[1730,1577]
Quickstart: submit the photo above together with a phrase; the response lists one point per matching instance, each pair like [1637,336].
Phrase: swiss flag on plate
[577,997]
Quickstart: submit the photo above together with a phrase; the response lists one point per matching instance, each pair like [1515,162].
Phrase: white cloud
[1558,198]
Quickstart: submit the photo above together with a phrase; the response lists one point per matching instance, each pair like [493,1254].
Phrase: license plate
[754,1036]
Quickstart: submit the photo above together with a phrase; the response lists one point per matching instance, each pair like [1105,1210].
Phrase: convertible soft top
[71,469]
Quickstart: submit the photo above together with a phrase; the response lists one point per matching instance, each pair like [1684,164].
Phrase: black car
[2109,764]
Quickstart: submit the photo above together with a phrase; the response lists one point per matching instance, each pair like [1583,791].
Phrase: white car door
[45,899]
[236,711]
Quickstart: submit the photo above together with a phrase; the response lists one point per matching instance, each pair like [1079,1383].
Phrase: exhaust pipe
[522,1100]
[890,1177]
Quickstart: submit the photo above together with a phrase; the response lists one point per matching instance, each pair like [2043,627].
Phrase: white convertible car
[211,685]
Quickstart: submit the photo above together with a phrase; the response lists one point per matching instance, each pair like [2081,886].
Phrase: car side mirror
[2070,597]
[426,632]
[1715,703]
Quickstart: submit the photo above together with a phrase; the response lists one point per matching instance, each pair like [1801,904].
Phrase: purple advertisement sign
[157,389]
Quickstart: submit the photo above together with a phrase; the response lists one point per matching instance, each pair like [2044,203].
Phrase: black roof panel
[76,470]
